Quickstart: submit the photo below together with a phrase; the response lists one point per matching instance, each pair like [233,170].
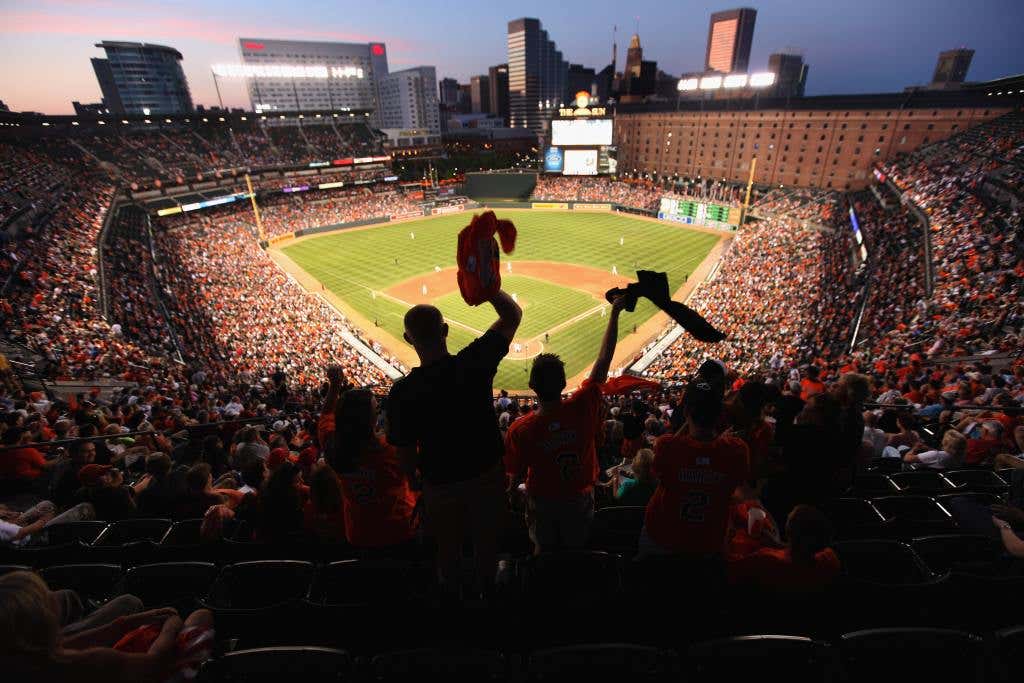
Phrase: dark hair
[158,464]
[424,325]
[253,472]
[280,505]
[325,490]
[702,403]
[547,376]
[812,371]
[353,429]
[809,532]
[197,477]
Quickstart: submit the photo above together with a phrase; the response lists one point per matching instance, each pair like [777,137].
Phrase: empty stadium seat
[854,518]
[132,531]
[603,662]
[749,657]
[85,531]
[434,664]
[945,553]
[909,516]
[261,583]
[176,584]
[1006,655]
[183,533]
[367,582]
[981,481]
[94,582]
[871,485]
[617,529]
[572,577]
[903,654]
[928,482]
[881,561]
[274,664]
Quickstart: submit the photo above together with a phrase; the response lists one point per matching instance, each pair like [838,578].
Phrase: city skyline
[871,47]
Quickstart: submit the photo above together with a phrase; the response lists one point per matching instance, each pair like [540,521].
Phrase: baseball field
[563,263]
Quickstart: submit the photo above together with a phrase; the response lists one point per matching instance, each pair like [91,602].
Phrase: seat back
[570,577]
[617,529]
[599,662]
[84,531]
[273,664]
[133,531]
[945,553]
[433,664]
[881,561]
[748,657]
[908,516]
[90,581]
[262,583]
[921,481]
[982,481]
[902,654]
[185,532]
[373,582]
[854,518]
[170,583]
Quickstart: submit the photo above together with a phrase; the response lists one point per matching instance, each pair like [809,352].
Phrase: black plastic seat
[927,482]
[1006,656]
[133,531]
[749,657]
[617,529]
[174,584]
[854,518]
[274,664]
[434,664]
[262,583]
[910,516]
[95,582]
[573,577]
[597,662]
[372,582]
[902,654]
[981,481]
[871,485]
[881,561]
[183,533]
[85,531]
[8,568]
[950,552]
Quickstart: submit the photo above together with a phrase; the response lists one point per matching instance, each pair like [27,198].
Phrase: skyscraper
[409,99]
[449,92]
[498,77]
[729,37]
[537,75]
[952,66]
[790,74]
[480,94]
[142,78]
[580,78]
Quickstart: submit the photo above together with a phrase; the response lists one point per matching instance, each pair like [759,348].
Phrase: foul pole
[750,184]
[255,208]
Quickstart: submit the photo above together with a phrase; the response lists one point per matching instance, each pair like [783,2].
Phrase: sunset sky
[865,46]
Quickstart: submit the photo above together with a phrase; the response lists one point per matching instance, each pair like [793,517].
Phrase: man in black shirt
[441,419]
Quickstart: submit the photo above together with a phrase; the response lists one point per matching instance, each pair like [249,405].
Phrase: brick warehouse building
[828,142]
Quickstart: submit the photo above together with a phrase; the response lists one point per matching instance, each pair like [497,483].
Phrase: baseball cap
[278,456]
[703,401]
[91,474]
[281,425]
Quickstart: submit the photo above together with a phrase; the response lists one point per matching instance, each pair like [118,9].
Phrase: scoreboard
[694,212]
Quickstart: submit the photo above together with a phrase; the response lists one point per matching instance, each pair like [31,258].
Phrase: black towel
[654,286]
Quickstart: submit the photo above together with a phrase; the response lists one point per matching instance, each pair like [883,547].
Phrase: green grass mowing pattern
[354,264]
[544,305]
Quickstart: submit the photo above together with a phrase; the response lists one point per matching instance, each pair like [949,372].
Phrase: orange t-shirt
[810,387]
[774,568]
[557,449]
[689,511]
[21,463]
[378,503]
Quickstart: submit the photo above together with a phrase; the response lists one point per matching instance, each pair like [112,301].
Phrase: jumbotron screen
[580,162]
[573,132]
[698,213]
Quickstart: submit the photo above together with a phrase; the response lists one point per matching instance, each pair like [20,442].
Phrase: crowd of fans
[639,194]
[168,155]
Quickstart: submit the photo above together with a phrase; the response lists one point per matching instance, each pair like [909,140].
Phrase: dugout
[500,186]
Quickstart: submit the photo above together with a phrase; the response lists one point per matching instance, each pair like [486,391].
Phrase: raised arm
[599,373]
[509,315]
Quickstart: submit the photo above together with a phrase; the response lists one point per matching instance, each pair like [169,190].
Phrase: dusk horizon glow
[871,46]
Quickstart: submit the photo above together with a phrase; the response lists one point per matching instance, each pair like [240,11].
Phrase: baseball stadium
[364,354]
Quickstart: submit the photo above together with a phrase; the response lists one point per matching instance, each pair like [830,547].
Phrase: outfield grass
[355,264]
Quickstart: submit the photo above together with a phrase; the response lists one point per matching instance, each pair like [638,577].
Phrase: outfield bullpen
[560,269]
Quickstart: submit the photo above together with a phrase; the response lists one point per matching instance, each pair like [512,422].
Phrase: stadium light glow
[711,83]
[762,80]
[102,123]
[688,84]
[145,111]
[735,81]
